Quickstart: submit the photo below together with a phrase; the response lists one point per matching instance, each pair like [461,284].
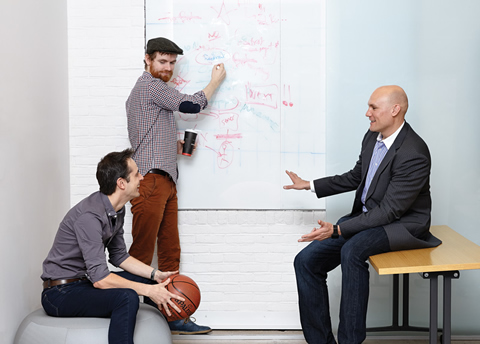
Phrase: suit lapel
[367,155]
[388,157]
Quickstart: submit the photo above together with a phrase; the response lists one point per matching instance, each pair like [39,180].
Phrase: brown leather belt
[53,283]
[160,172]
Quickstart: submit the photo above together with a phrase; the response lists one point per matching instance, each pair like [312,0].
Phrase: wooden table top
[455,253]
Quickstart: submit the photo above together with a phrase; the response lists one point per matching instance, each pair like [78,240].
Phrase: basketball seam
[180,291]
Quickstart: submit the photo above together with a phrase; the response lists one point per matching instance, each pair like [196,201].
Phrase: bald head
[387,107]
[394,95]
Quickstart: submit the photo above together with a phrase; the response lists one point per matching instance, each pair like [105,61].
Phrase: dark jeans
[312,265]
[82,299]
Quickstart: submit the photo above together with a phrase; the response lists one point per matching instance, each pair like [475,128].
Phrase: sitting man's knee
[130,297]
[300,261]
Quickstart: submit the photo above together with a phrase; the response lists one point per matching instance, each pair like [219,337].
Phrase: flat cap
[163,45]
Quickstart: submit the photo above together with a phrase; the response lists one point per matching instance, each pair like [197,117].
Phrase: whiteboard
[268,116]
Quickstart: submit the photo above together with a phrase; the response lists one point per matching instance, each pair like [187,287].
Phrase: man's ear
[148,61]
[396,110]
[121,183]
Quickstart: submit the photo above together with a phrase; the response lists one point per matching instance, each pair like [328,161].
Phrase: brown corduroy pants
[155,220]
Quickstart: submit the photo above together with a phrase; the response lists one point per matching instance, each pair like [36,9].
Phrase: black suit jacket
[399,196]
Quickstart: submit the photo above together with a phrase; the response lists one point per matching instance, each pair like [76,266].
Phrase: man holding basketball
[76,278]
[391,211]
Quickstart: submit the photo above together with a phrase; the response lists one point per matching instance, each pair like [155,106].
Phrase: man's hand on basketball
[298,183]
[163,298]
[160,276]
[325,231]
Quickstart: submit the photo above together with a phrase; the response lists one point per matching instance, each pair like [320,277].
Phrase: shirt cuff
[312,186]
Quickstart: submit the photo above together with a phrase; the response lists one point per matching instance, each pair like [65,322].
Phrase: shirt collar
[388,142]
[147,75]
[108,206]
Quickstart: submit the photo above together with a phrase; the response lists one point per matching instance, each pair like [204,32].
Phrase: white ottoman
[40,328]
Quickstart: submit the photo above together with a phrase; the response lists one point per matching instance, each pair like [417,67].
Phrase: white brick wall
[105,58]
[242,260]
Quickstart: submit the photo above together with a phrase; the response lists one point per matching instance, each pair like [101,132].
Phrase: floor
[296,337]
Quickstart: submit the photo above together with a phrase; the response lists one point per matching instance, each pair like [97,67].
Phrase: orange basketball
[187,288]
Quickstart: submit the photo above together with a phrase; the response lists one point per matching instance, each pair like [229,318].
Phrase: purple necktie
[378,154]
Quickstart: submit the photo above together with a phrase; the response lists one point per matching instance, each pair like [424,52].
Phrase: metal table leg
[433,309]
[447,304]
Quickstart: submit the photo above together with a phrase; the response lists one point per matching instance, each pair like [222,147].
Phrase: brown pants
[155,220]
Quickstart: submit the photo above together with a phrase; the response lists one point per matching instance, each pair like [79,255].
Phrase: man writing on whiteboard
[152,132]
[391,211]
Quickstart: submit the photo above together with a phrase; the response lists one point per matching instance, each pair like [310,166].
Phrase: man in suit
[391,211]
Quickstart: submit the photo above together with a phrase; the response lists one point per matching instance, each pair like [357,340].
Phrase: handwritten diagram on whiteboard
[268,116]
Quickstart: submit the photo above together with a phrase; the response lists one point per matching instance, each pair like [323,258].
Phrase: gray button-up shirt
[85,232]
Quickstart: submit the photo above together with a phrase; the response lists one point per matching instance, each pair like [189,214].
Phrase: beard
[163,75]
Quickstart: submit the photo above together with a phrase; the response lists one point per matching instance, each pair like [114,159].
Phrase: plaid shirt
[152,129]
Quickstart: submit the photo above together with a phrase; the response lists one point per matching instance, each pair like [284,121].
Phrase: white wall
[34,173]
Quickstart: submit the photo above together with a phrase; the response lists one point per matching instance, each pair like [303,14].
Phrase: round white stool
[40,328]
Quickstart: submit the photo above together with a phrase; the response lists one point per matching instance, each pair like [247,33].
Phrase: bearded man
[152,131]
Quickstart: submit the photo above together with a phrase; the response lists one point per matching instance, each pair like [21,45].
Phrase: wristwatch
[335,232]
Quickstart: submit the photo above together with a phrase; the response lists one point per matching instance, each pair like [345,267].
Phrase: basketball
[185,287]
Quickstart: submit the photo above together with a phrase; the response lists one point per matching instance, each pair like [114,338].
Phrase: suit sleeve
[337,184]
[348,181]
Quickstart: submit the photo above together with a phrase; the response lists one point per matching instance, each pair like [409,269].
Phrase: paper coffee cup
[189,145]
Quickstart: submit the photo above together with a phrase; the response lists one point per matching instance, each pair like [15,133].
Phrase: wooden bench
[454,254]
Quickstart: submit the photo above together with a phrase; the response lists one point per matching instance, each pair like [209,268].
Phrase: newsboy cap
[163,45]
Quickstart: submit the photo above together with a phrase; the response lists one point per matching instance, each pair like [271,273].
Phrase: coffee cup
[189,145]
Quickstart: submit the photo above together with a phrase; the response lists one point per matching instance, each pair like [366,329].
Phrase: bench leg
[447,309]
[406,299]
[433,308]
[447,304]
